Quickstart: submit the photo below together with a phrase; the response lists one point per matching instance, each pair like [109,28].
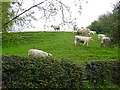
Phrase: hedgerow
[21,72]
[101,72]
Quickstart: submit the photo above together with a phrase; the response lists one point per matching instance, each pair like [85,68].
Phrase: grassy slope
[60,44]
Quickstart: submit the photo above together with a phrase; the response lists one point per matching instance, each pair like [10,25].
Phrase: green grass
[59,44]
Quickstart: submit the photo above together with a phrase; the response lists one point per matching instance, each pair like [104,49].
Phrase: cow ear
[48,54]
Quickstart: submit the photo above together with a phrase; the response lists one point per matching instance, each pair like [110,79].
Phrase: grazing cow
[105,40]
[56,27]
[83,39]
[79,30]
[38,53]
[100,36]
[82,31]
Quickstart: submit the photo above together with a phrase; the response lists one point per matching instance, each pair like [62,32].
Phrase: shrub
[74,73]
[116,73]
[100,72]
[20,72]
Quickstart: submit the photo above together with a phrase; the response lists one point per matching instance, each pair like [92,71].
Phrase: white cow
[100,36]
[80,30]
[92,32]
[56,27]
[38,53]
[83,39]
[105,40]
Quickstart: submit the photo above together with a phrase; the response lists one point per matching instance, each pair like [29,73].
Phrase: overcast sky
[94,8]
[90,12]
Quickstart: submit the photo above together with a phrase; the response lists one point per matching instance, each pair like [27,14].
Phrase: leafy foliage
[95,26]
[100,72]
[20,72]
[6,15]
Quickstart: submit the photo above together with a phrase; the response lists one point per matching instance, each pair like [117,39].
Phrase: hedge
[101,72]
[21,72]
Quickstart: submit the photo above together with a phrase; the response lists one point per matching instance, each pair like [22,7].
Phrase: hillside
[59,44]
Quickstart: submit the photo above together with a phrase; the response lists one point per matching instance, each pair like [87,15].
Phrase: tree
[108,23]
[95,26]
[48,9]
[6,15]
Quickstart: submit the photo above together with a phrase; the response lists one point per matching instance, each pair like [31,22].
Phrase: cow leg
[102,44]
[75,42]
[84,43]
[87,43]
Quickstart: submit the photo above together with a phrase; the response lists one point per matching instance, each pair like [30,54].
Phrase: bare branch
[24,12]
[49,10]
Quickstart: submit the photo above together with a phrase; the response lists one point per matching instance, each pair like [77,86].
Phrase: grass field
[59,44]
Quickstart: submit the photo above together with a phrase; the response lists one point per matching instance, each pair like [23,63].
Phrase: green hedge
[20,72]
[100,72]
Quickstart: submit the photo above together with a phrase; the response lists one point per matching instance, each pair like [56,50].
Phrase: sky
[94,8]
[90,12]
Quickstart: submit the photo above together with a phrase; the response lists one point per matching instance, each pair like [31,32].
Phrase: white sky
[91,11]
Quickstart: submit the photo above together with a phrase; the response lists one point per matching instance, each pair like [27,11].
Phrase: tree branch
[23,12]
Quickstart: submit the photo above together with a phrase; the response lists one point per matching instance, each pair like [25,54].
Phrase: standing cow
[83,39]
[56,27]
